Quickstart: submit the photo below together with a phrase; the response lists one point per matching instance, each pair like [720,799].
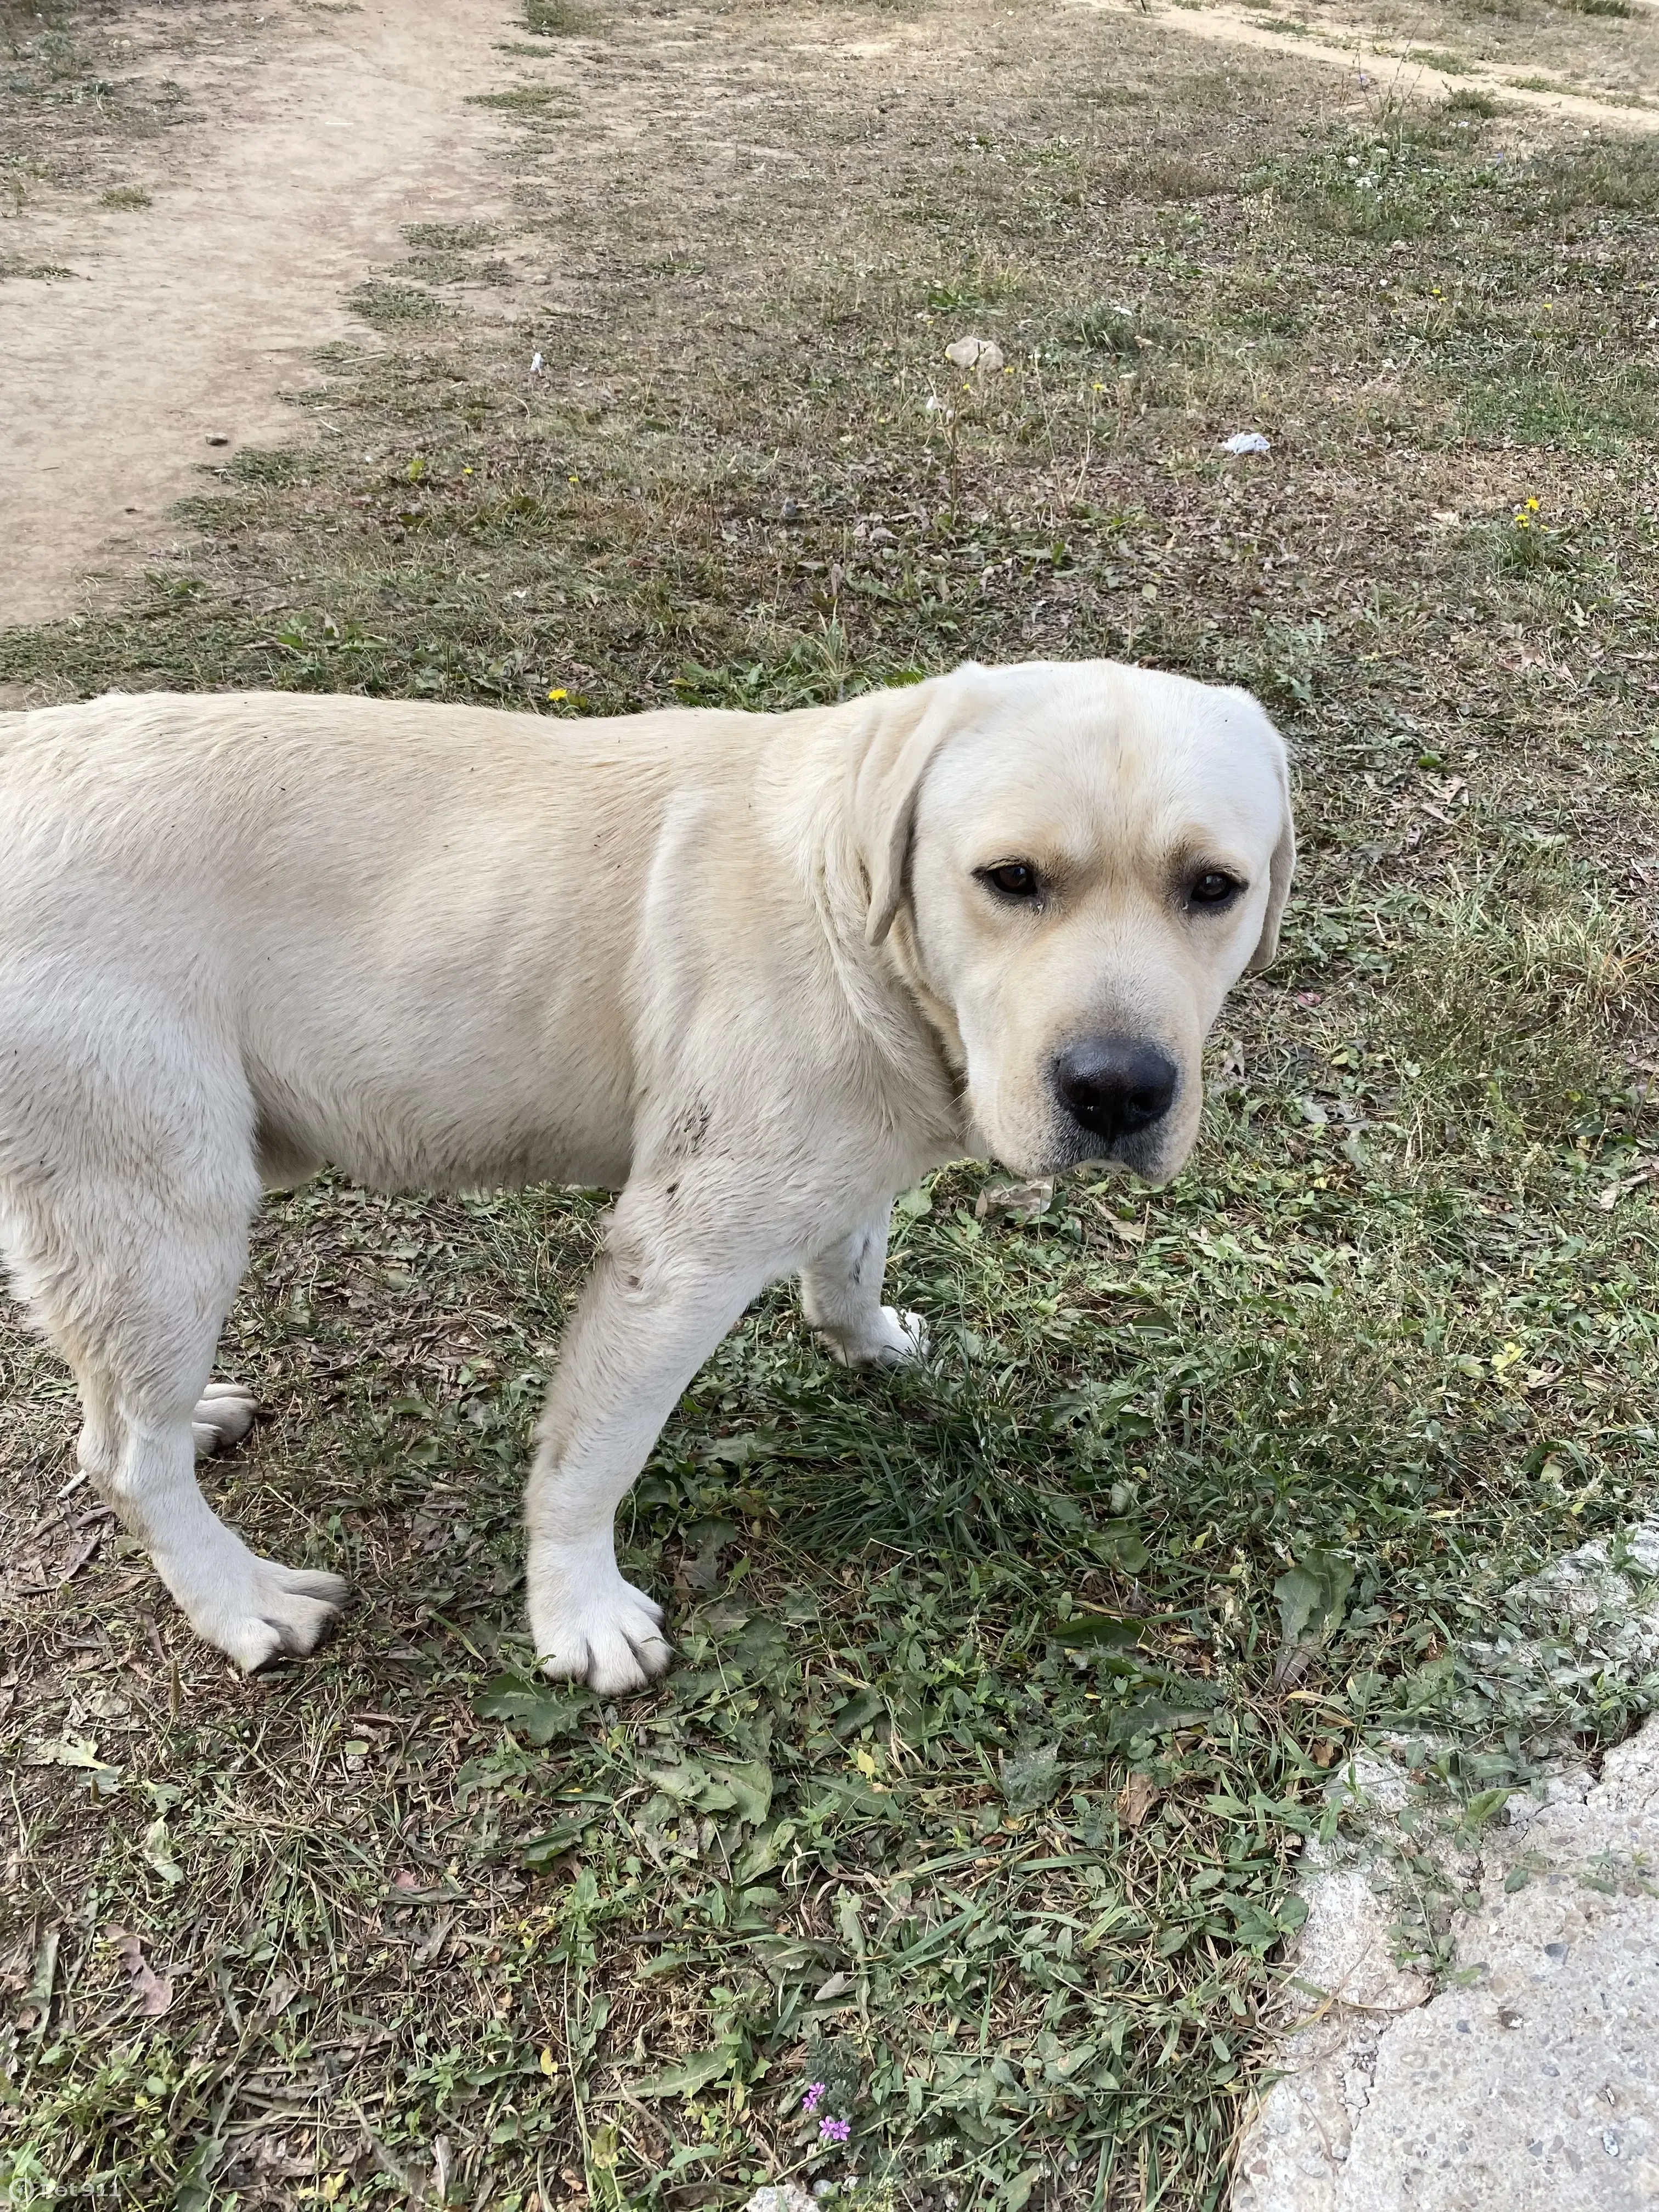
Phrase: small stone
[975,352]
[783,2196]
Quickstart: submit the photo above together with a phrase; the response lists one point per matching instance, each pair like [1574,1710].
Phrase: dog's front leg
[665,1290]
[841,1297]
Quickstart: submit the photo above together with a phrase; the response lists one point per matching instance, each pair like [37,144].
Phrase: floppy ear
[1280,869]
[905,730]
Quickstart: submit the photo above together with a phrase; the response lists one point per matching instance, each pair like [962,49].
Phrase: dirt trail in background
[1386,68]
[318,135]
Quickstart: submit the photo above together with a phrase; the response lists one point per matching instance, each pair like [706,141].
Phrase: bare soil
[299,142]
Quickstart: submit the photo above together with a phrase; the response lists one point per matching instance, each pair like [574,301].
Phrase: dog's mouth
[1140,1160]
[1153,1155]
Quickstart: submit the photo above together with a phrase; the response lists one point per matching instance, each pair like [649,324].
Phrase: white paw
[593,1625]
[224,1416]
[893,1339]
[252,1609]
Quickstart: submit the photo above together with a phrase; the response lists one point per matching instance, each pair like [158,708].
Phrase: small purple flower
[813,2097]
[833,2131]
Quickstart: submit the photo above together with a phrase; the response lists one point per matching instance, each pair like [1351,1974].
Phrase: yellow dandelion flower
[558,694]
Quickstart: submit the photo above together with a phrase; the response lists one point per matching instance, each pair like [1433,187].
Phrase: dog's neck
[904,956]
[911,1029]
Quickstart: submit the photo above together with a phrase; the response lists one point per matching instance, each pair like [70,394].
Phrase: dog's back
[409,931]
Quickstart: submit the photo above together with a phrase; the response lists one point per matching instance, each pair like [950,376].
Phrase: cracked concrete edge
[1349,2105]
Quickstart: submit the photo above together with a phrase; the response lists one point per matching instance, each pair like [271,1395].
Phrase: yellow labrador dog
[756,972]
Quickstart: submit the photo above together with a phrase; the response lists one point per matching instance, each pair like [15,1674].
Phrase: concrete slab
[1532,2082]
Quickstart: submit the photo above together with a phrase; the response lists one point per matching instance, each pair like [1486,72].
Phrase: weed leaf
[691,2074]
[1311,1596]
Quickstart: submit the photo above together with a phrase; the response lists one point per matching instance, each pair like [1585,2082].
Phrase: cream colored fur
[739,968]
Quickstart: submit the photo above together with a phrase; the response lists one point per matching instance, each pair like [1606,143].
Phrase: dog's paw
[226,1414]
[254,1610]
[893,1339]
[598,1630]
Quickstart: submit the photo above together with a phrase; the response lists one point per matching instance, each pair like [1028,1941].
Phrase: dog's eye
[1014,879]
[1213,888]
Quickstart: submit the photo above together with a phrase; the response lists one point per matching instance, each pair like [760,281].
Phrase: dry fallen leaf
[280,1996]
[1131,1232]
[1136,1800]
[1024,1201]
[154,1991]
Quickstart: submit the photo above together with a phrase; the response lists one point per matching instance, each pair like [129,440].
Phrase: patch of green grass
[1503,1024]
[988,281]
[268,464]
[555,19]
[391,307]
[451,237]
[455,269]
[523,100]
[1593,178]
[1126,331]
[125,196]
[1559,406]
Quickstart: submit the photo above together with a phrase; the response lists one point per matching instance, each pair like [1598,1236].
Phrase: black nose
[1113,1085]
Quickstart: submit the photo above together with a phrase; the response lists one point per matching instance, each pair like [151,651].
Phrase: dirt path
[1377,65]
[317,135]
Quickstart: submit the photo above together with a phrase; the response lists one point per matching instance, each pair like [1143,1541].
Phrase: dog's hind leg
[128,1260]
[841,1297]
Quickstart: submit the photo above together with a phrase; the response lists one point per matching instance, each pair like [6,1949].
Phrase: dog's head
[1076,862]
